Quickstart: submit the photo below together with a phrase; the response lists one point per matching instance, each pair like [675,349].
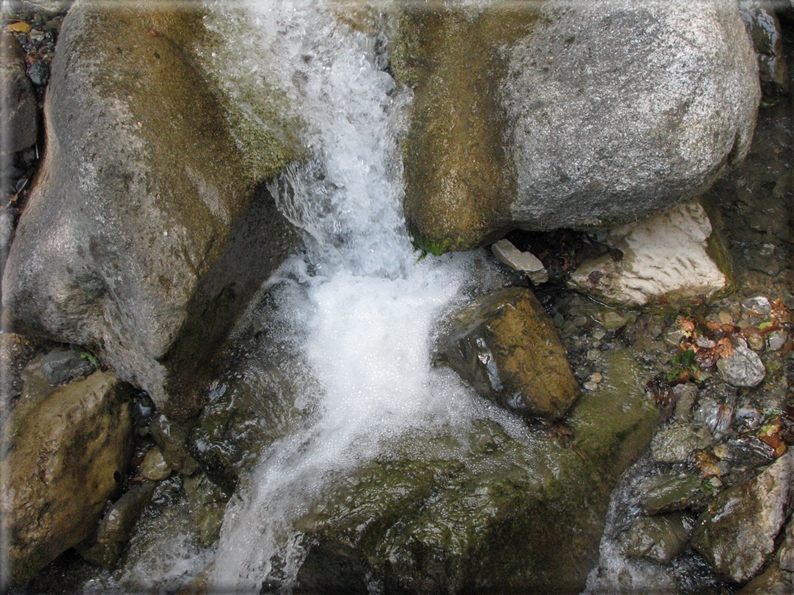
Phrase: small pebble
[758,306]
[725,317]
[599,334]
[596,377]
[593,354]
[756,342]
[39,73]
[590,385]
[558,319]
[776,340]
[154,466]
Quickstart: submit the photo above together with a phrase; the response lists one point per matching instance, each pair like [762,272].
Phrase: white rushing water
[369,308]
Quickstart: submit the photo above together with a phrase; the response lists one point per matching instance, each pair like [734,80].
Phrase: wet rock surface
[677,442]
[737,533]
[506,347]
[154,289]
[106,547]
[659,538]
[63,459]
[503,514]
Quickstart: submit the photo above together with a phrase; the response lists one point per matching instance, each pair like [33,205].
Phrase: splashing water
[369,307]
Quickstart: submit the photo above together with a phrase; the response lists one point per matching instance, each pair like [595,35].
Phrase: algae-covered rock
[67,451]
[149,225]
[501,514]
[559,114]
[507,348]
[458,173]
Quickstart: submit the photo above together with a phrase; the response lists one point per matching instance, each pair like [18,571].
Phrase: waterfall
[368,305]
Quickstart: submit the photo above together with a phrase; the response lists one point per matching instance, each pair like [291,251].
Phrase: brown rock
[67,453]
[507,348]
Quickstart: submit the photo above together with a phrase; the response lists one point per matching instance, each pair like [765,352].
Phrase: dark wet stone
[39,73]
[171,437]
[764,29]
[60,366]
[20,112]
[658,538]
[673,493]
[107,545]
[207,505]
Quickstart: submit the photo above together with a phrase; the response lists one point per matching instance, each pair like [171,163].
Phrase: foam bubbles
[370,308]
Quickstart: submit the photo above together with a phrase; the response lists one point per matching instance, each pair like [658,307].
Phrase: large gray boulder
[149,226]
[619,113]
[569,114]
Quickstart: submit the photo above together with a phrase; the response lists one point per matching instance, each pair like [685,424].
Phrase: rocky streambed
[190,347]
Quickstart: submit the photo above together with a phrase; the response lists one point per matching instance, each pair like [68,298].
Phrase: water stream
[368,306]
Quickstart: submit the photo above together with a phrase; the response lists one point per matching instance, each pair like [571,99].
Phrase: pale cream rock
[663,256]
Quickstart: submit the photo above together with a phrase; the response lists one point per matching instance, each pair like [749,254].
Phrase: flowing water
[368,306]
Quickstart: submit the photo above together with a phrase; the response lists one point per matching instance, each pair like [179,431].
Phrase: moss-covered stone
[459,177]
[502,514]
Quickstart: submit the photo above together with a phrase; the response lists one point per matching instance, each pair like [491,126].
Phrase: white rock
[523,262]
[664,255]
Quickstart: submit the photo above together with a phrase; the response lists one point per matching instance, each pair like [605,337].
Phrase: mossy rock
[501,514]
[459,177]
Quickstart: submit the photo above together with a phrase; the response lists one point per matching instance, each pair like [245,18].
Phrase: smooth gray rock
[743,368]
[622,111]
[149,227]
[737,533]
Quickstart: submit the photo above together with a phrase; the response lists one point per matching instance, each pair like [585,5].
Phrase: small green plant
[90,357]
[684,365]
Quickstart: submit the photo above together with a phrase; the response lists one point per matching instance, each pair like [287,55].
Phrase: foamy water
[369,309]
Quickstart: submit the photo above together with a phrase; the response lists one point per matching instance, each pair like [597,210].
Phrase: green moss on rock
[459,178]
[495,513]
